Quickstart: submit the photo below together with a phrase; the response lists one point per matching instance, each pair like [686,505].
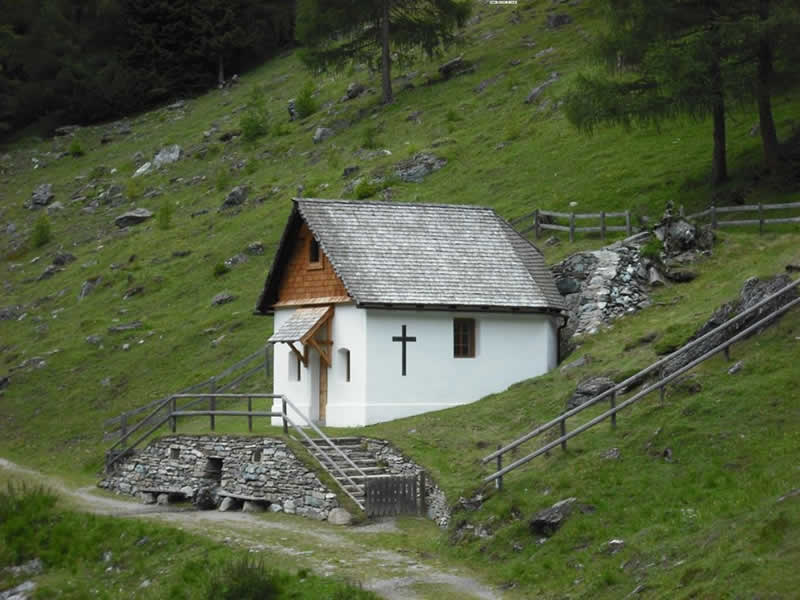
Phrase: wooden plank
[224,413]
[738,208]
[572,227]
[554,227]
[786,220]
[782,206]
[552,213]
[737,222]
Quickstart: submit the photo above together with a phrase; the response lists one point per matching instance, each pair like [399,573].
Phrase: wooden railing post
[173,420]
[563,433]
[603,225]
[285,422]
[250,416]
[713,217]
[212,403]
[123,426]
[537,227]
[760,219]
[572,227]
[662,389]
[727,353]
[498,483]
[614,405]
[628,223]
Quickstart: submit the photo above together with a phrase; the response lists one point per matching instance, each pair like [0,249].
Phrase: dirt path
[388,573]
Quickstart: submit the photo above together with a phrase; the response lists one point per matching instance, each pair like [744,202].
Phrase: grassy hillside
[713,507]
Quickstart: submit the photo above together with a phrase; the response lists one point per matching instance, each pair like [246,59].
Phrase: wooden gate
[395,495]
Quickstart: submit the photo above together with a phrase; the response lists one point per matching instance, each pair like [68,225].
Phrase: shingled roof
[421,256]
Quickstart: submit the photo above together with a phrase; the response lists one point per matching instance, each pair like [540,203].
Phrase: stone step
[339,441]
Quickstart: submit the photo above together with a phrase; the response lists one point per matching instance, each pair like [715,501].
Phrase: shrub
[220,269]
[369,139]
[75,149]
[255,121]
[451,116]
[365,189]
[242,580]
[41,232]
[164,216]
[305,104]
[653,249]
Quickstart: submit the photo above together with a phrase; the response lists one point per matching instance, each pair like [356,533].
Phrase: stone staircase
[353,448]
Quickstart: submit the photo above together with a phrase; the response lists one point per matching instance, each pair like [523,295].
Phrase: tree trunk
[386,56]
[719,163]
[769,135]
[220,71]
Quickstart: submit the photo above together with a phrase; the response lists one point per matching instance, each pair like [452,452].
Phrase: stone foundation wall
[398,464]
[262,470]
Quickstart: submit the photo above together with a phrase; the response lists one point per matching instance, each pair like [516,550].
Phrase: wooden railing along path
[542,220]
[611,395]
[230,379]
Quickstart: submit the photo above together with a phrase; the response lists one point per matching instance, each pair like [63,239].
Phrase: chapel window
[313,252]
[464,338]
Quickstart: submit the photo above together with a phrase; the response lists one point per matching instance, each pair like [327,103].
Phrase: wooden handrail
[658,385]
[641,374]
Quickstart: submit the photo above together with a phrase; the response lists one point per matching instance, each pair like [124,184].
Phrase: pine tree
[336,32]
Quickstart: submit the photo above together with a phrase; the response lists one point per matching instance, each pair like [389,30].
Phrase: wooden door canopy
[301,327]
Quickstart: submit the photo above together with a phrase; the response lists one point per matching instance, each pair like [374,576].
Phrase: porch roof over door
[303,324]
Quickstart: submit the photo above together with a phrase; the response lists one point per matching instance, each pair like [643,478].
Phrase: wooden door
[323,390]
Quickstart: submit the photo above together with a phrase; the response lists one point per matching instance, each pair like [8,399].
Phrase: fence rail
[259,361]
[542,220]
[620,388]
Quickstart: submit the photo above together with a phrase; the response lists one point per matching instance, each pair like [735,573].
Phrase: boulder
[236,197]
[42,196]
[63,258]
[143,169]
[255,249]
[321,134]
[588,389]
[222,298]
[205,498]
[88,287]
[54,208]
[415,169]
[251,506]
[680,236]
[549,520]
[339,516]
[452,66]
[537,91]
[148,498]
[354,90]
[162,499]
[167,156]
[133,217]
[229,504]
[554,21]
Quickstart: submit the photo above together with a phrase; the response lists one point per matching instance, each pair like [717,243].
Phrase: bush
[41,232]
[365,189]
[164,216]
[369,139]
[653,249]
[305,104]
[255,121]
[220,269]
[75,149]
[242,580]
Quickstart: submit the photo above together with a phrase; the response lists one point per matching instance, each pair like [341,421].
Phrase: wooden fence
[713,214]
[232,378]
[657,368]
[605,222]
[541,220]
[394,495]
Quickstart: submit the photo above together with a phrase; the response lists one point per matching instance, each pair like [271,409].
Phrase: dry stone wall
[262,471]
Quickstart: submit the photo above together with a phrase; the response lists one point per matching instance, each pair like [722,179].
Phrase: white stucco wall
[345,399]
[509,348]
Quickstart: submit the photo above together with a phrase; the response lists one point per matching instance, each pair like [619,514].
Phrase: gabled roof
[421,256]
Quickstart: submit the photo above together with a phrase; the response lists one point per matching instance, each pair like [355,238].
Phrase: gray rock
[350,171]
[655,278]
[10,313]
[54,208]
[292,108]
[48,272]
[321,134]
[63,258]
[143,169]
[21,592]
[567,285]
[588,389]
[162,499]
[289,507]
[339,516]
[575,364]
[737,366]
[236,197]
[250,506]
[354,90]
[452,66]
[205,498]
[229,504]
[125,327]
[5,380]
[549,520]
[32,567]
[222,298]
[275,508]
[66,130]
[148,498]
[133,217]
[417,168]
[42,196]
[167,156]
[537,91]
[255,248]
[555,21]
[237,259]
[88,286]
[611,454]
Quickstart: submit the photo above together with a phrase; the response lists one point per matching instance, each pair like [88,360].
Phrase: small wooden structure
[395,495]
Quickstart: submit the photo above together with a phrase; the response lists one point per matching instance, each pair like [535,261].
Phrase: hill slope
[500,152]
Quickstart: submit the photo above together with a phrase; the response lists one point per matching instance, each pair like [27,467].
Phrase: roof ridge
[393,204]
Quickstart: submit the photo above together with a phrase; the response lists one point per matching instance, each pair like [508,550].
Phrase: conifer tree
[336,32]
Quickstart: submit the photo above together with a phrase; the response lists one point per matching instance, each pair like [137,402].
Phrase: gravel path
[391,574]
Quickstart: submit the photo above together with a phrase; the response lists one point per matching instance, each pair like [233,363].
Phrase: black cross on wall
[403,339]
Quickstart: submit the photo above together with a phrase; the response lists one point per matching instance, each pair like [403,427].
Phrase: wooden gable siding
[302,283]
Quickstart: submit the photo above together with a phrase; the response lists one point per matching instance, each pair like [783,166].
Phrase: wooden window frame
[347,366]
[314,250]
[464,338]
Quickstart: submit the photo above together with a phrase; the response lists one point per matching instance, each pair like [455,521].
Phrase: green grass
[95,556]
[51,418]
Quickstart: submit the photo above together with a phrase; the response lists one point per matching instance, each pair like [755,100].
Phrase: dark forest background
[80,61]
